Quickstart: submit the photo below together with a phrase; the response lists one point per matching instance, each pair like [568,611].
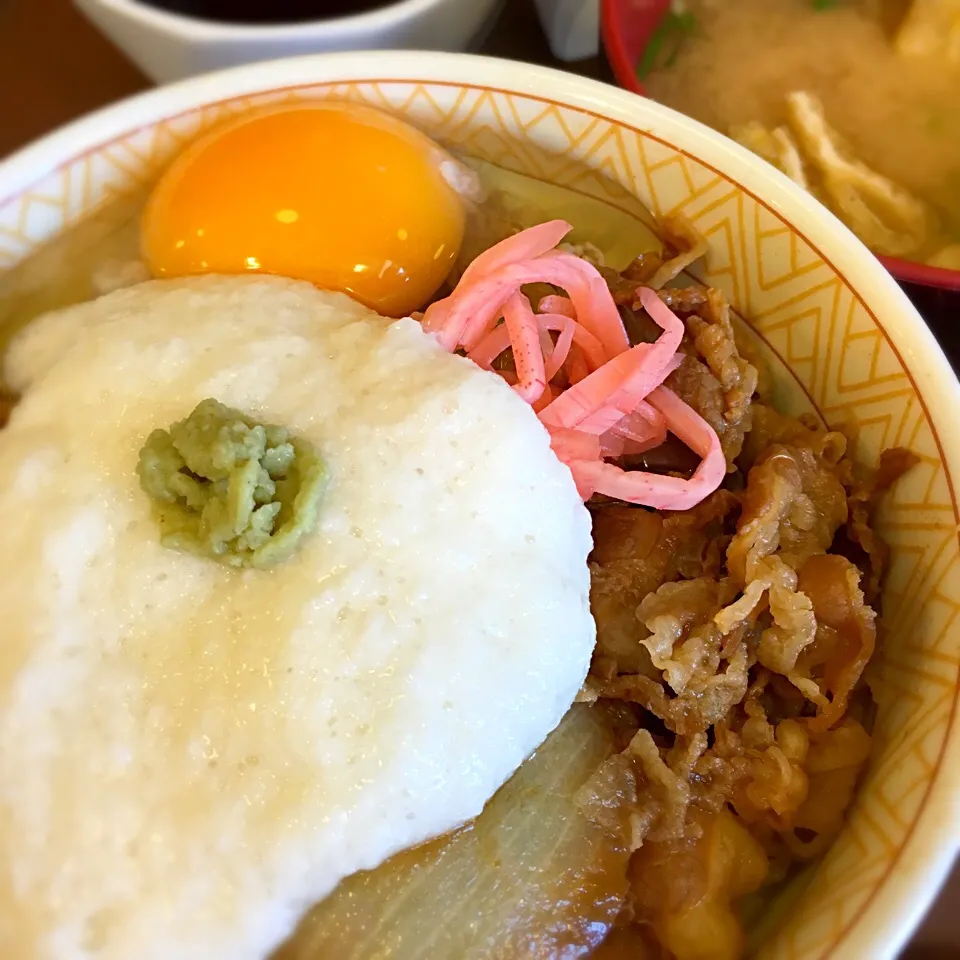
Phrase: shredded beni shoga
[598,396]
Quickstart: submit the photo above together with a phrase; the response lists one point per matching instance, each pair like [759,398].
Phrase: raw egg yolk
[341,195]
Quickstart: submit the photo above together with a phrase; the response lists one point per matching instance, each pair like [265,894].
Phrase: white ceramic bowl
[842,340]
[170,46]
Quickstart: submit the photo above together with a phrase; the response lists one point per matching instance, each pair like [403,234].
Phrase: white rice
[191,755]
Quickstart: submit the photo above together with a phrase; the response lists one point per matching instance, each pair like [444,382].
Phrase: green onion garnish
[664,46]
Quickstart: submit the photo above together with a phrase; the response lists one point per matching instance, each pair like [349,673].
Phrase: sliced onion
[532,876]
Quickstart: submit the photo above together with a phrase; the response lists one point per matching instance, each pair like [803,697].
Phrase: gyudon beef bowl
[454,509]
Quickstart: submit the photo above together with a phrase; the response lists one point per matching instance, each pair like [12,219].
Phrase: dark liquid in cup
[267,11]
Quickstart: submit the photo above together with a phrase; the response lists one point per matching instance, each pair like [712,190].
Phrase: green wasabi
[228,488]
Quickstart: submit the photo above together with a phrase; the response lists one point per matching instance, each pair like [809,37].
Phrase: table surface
[68,69]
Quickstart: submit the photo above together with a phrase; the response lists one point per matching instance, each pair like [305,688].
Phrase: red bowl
[628,25]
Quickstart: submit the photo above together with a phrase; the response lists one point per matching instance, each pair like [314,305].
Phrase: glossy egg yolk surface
[341,195]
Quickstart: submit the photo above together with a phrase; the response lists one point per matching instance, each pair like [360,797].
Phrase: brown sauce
[277,11]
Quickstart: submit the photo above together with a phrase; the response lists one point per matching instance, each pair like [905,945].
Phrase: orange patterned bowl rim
[820,305]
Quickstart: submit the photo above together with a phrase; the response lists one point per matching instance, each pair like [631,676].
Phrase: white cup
[171,46]
[572,27]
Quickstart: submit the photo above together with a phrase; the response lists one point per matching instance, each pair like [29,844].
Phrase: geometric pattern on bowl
[843,365]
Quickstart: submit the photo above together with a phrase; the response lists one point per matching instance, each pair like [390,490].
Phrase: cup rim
[932,840]
[196,28]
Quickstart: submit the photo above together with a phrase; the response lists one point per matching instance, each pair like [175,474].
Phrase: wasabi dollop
[231,489]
